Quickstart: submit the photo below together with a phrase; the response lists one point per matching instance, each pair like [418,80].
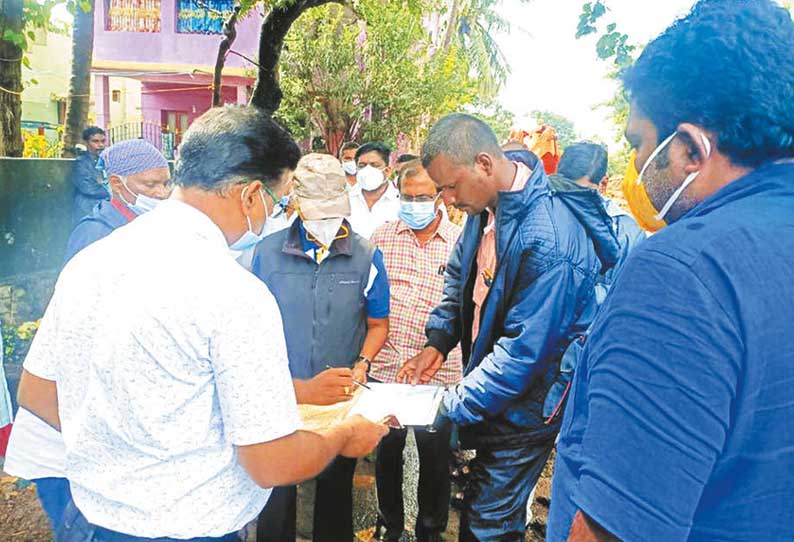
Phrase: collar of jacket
[513,206]
[588,207]
[293,244]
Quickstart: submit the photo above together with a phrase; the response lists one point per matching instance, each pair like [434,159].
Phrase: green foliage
[612,45]
[370,74]
[498,118]
[566,132]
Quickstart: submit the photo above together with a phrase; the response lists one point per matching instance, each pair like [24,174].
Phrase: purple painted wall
[169,47]
[192,102]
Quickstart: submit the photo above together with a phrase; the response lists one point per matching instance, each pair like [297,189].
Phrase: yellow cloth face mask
[640,204]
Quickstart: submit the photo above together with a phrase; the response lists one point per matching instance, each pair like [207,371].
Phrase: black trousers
[333,508]
[434,484]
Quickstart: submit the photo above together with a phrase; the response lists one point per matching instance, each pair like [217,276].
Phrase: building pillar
[102,100]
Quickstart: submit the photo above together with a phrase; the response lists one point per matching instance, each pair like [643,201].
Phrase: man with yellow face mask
[678,423]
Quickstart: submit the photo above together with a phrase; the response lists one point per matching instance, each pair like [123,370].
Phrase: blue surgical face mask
[418,214]
[250,239]
[142,204]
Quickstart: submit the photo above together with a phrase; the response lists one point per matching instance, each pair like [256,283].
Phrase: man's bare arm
[39,396]
[585,529]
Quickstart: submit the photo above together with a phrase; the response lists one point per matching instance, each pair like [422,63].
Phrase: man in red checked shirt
[415,249]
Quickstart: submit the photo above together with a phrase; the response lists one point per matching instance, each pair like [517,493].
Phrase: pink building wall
[192,102]
[167,61]
[169,47]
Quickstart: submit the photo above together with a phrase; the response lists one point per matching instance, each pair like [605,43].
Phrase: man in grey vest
[332,289]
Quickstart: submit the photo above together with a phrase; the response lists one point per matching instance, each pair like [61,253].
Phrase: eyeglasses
[418,199]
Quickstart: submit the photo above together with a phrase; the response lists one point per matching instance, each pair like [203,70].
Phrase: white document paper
[411,405]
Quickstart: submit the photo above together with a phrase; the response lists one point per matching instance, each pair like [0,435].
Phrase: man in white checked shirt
[415,250]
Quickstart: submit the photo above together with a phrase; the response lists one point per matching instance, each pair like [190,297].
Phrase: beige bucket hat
[321,188]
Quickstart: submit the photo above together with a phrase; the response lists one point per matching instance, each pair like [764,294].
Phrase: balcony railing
[163,139]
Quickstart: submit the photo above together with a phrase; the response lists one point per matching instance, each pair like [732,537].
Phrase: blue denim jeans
[76,528]
[54,494]
[495,508]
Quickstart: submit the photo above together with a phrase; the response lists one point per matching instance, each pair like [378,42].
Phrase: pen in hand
[356,382]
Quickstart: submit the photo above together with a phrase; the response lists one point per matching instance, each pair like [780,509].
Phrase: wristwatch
[364,359]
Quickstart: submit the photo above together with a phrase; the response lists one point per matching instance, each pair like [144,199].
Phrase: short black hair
[727,66]
[584,159]
[461,137]
[232,144]
[91,131]
[346,147]
[380,148]
[405,158]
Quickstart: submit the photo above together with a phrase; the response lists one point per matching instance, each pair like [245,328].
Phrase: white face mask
[370,178]
[142,204]
[324,231]
[350,167]
[689,180]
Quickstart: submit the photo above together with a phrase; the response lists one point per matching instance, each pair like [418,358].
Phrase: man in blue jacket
[518,289]
[87,180]
[139,179]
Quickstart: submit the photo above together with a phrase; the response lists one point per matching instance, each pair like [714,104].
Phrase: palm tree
[470,25]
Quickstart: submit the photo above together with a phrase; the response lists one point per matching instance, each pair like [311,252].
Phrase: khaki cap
[321,188]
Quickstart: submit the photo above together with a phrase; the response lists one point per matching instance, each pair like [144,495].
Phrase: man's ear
[251,197]
[486,163]
[114,181]
[700,145]
[602,186]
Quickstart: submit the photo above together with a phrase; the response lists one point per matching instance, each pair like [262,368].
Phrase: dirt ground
[22,519]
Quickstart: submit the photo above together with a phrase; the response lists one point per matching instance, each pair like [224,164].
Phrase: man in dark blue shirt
[679,422]
[87,180]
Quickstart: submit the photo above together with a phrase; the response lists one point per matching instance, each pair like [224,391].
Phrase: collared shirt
[416,277]
[678,423]
[167,354]
[486,255]
[365,220]
[377,292]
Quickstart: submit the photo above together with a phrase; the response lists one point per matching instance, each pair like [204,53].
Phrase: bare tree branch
[267,92]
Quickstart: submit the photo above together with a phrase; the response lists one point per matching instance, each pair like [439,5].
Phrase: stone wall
[35,222]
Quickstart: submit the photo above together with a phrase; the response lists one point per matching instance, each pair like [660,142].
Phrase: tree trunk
[229,35]
[267,93]
[10,80]
[452,26]
[80,82]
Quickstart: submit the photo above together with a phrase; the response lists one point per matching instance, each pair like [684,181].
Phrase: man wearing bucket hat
[332,289]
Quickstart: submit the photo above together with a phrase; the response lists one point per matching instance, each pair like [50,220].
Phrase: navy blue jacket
[541,298]
[87,190]
[103,219]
